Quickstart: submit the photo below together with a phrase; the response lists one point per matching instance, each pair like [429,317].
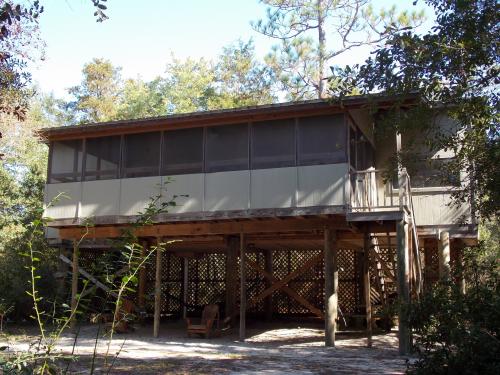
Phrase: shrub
[458,333]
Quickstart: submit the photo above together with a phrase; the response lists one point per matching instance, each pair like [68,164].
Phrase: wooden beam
[444,255]
[403,287]
[331,286]
[205,228]
[430,247]
[74,285]
[367,288]
[185,285]
[232,250]
[157,309]
[91,278]
[387,271]
[268,301]
[460,263]
[243,288]
[280,283]
[292,293]
[211,216]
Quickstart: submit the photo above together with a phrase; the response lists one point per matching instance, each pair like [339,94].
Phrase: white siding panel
[433,209]
[187,184]
[100,198]
[322,185]
[227,190]
[275,187]
[136,193]
[67,205]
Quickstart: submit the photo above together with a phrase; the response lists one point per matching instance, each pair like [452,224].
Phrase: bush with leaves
[459,333]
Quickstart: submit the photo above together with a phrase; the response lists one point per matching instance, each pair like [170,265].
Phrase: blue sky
[140,36]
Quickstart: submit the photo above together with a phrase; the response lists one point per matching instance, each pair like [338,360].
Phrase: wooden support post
[367,287]
[185,285]
[430,276]
[157,312]
[243,288]
[461,264]
[331,287]
[62,272]
[74,285]
[233,248]
[268,301]
[403,286]
[142,278]
[444,255]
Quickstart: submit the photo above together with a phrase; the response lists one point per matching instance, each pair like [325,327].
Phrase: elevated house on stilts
[282,210]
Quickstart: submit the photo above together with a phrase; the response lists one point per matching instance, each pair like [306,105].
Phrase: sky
[141,36]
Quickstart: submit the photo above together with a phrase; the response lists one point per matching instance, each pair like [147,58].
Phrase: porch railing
[374,190]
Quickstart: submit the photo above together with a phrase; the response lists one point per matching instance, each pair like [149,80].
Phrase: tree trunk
[321,50]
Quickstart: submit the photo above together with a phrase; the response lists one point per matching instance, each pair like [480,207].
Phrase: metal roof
[226,116]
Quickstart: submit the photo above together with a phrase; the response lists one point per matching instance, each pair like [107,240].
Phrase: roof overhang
[222,117]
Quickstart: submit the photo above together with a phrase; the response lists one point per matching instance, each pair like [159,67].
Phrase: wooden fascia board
[208,228]
[152,125]
[205,119]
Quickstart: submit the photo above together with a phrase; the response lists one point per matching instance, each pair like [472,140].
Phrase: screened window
[142,155]
[102,158]
[226,148]
[432,173]
[352,146]
[273,144]
[66,161]
[364,152]
[183,151]
[322,140]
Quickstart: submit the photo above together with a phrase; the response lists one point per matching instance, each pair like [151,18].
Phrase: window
[364,152]
[322,140]
[183,151]
[352,146]
[273,144]
[66,161]
[226,148]
[102,158]
[142,155]
[432,173]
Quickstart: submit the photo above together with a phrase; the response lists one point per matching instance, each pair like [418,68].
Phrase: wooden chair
[123,318]
[209,316]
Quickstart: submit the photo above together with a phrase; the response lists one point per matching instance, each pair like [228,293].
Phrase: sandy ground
[269,349]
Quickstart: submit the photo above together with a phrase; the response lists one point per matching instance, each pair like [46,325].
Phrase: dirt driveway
[268,350]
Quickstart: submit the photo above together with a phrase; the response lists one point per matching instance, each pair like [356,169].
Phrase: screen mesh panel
[66,162]
[142,154]
[273,144]
[322,140]
[102,158]
[183,151]
[226,148]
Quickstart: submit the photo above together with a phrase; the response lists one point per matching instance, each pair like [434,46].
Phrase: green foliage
[19,43]
[240,80]
[22,178]
[453,68]
[187,85]
[236,78]
[313,33]
[23,205]
[95,97]
[459,333]
[140,99]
